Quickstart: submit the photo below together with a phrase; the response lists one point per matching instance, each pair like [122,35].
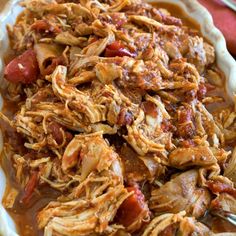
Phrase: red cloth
[225,20]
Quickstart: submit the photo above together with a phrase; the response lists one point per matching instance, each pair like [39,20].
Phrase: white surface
[224,60]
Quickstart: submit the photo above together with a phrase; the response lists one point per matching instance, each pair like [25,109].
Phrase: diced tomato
[219,187]
[55,130]
[43,25]
[40,25]
[23,69]
[132,207]
[118,49]
[116,45]
[29,188]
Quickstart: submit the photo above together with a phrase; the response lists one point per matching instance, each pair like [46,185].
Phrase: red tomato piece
[55,130]
[23,69]
[40,25]
[117,49]
[132,207]
[43,25]
[29,188]
[219,187]
[185,127]
[116,45]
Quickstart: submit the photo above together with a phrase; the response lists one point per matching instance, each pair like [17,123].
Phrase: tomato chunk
[117,49]
[185,126]
[23,69]
[219,187]
[132,208]
[29,188]
[43,25]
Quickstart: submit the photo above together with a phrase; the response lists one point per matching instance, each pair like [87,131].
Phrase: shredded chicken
[115,122]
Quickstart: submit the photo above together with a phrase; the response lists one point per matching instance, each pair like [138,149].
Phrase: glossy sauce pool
[25,217]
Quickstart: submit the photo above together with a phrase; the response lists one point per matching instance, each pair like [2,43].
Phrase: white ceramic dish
[224,60]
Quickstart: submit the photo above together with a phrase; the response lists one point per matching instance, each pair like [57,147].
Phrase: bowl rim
[193,8]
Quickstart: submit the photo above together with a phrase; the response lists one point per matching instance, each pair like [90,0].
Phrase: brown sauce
[25,218]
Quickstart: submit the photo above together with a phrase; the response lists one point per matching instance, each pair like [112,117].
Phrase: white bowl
[195,11]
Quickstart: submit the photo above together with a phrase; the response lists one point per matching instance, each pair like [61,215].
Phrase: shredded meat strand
[116,111]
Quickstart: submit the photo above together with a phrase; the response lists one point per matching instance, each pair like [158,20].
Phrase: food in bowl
[115,122]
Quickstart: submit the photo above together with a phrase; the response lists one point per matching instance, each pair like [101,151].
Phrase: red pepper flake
[218,187]
[23,69]
[43,26]
[132,207]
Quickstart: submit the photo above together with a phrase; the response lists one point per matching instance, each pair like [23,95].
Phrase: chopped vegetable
[117,49]
[23,69]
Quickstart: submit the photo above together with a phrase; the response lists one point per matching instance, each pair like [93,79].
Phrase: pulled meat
[116,105]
